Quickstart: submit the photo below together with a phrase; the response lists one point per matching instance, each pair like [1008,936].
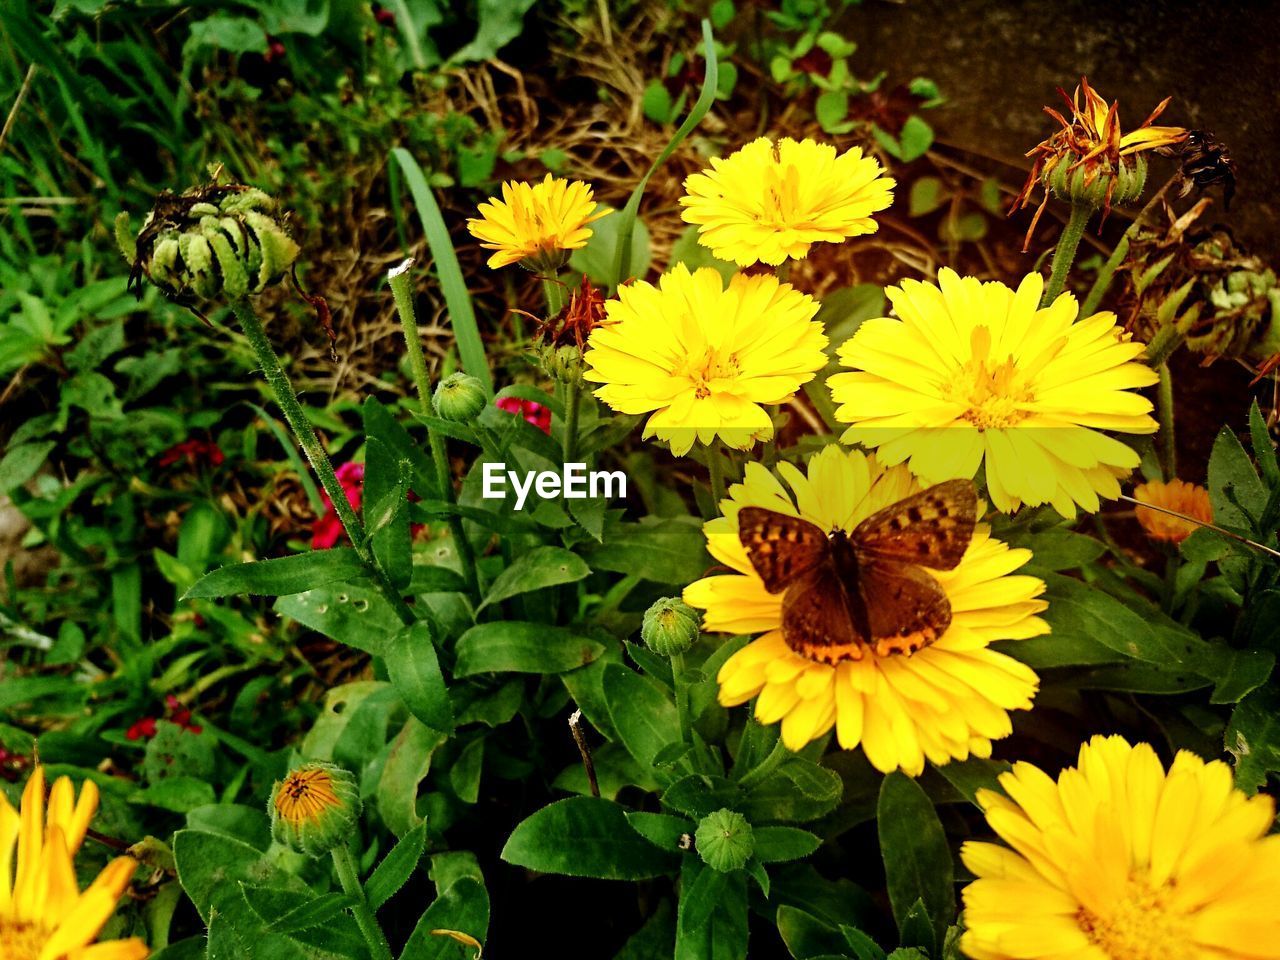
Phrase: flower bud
[1088,183]
[561,363]
[670,627]
[314,809]
[459,398]
[724,840]
[217,240]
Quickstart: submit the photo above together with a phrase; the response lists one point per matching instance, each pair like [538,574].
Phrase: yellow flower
[947,700]
[1119,860]
[1179,496]
[536,225]
[703,356]
[1089,158]
[769,202]
[43,913]
[972,372]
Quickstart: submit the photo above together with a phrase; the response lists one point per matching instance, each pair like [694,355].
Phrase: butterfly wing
[931,528]
[818,621]
[906,608]
[781,548]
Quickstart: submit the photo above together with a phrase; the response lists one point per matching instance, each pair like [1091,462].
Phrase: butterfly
[844,594]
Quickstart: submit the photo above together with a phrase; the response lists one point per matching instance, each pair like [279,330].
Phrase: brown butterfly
[847,593]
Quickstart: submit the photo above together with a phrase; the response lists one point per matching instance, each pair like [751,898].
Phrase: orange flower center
[1140,925]
[305,795]
[709,371]
[22,940]
[996,394]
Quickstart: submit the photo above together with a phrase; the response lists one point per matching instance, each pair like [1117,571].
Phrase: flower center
[305,794]
[1140,925]
[22,940]
[710,368]
[995,393]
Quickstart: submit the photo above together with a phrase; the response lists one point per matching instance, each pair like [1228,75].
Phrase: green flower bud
[561,363]
[670,627]
[1089,182]
[315,808]
[459,398]
[724,840]
[218,240]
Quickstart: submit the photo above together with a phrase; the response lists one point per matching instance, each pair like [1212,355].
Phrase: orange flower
[1180,497]
[1089,158]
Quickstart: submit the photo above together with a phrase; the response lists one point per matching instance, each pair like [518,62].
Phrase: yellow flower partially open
[705,359]
[971,373]
[946,701]
[1119,860]
[1179,496]
[768,201]
[43,913]
[536,225]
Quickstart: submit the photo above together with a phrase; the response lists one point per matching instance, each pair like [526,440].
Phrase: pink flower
[194,452]
[145,728]
[327,530]
[534,413]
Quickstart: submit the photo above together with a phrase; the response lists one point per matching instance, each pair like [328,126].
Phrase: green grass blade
[456,297]
[622,255]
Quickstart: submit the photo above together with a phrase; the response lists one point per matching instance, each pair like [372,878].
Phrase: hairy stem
[572,401]
[316,456]
[1065,253]
[766,766]
[444,478]
[1164,411]
[345,864]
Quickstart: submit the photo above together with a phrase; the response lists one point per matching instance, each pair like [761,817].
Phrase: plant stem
[345,864]
[1065,253]
[554,292]
[682,706]
[1103,281]
[311,446]
[572,400]
[401,289]
[1164,410]
[766,766]
[717,478]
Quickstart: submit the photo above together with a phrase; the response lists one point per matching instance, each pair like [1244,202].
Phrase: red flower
[177,713]
[327,531]
[146,727]
[534,413]
[383,16]
[195,452]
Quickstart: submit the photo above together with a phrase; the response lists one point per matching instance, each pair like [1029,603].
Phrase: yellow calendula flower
[1119,860]
[43,913]
[946,701]
[536,225]
[971,373]
[768,201]
[1179,496]
[705,359]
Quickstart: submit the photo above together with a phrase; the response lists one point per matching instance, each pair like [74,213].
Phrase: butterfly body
[845,594]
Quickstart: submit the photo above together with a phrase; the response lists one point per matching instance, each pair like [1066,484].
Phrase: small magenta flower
[532,411]
[327,531]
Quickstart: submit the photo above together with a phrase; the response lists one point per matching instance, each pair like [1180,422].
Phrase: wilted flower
[532,411]
[536,225]
[44,915]
[216,240]
[1179,496]
[768,201]
[1088,160]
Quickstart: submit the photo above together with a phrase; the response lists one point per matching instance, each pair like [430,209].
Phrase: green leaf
[970,776]
[585,837]
[510,646]
[354,614]
[464,773]
[279,577]
[457,298]
[863,947]
[622,256]
[1264,451]
[212,866]
[926,196]
[806,936]
[656,102]
[662,829]
[414,669]
[721,934]
[1253,738]
[540,568]
[669,551]
[831,108]
[233,34]
[462,907]
[1234,486]
[915,139]
[596,258]
[779,844]
[20,463]
[917,931]
[407,765]
[313,913]
[642,713]
[396,867]
[797,792]
[917,861]
[386,519]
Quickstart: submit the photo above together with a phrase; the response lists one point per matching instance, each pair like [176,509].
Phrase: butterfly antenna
[1202,523]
